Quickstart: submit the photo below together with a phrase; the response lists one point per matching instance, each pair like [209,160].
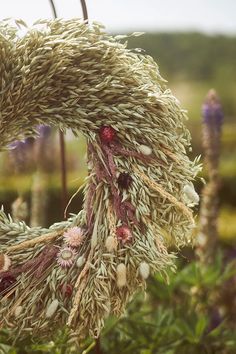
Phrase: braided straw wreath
[138,192]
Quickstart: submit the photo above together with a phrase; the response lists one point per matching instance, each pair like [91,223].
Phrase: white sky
[212,16]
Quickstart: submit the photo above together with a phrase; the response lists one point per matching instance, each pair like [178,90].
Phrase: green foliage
[190,55]
[175,318]
[197,62]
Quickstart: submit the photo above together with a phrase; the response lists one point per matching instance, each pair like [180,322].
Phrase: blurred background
[194,44]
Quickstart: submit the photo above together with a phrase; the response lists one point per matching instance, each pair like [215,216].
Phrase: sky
[209,16]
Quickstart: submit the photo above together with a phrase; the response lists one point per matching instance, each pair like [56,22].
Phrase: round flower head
[124,234]
[107,134]
[74,236]
[66,257]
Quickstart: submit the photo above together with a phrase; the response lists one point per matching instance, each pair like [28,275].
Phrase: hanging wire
[84,10]
[54,11]
[64,192]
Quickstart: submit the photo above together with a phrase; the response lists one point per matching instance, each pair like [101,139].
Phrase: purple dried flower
[212,110]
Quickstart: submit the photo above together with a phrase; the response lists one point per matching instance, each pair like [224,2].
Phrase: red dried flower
[66,289]
[107,134]
[124,234]
[6,283]
[124,180]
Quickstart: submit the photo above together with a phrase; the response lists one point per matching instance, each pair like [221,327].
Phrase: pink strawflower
[66,257]
[74,236]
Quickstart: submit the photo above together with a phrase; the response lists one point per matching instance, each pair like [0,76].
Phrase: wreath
[137,196]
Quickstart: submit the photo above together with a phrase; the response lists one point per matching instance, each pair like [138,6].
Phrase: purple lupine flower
[19,152]
[44,131]
[212,111]
[23,152]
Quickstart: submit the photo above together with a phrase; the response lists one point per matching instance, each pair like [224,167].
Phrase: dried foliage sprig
[73,75]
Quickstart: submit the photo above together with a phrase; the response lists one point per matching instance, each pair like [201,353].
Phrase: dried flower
[5,262]
[80,261]
[66,257]
[145,150]
[144,270]
[107,134]
[121,275]
[124,234]
[52,308]
[18,311]
[6,283]
[111,243]
[66,289]
[124,180]
[74,236]
[190,193]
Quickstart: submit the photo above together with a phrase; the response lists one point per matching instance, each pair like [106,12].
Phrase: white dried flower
[5,262]
[111,243]
[144,270]
[52,308]
[18,311]
[121,275]
[80,261]
[66,257]
[190,194]
[145,150]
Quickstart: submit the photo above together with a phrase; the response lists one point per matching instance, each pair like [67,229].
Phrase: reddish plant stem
[39,263]
[125,211]
[63,173]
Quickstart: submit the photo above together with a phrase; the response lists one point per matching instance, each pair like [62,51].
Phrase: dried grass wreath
[138,192]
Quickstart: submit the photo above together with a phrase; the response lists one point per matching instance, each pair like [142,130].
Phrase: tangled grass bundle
[138,192]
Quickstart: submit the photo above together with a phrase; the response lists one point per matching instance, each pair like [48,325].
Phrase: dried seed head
[5,262]
[190,193]
[144,270]
[111,243]
[145,150]
[121,275]
[80,261]
[52,308]
[18,311]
